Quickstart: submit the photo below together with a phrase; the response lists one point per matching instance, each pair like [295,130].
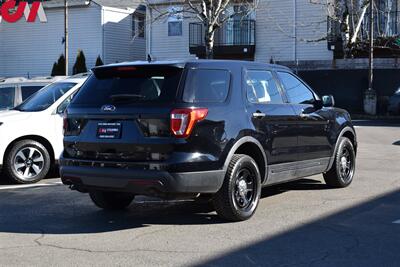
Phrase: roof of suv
[200,62]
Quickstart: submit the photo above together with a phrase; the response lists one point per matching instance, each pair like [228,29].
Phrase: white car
[31,137]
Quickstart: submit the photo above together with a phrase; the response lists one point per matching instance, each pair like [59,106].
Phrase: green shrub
[59,67]
[80,64]
[99,62]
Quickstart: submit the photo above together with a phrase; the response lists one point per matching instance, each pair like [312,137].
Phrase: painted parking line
[397,222]
[10,187]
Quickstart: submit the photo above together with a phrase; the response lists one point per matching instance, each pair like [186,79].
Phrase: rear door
[312,131]
[272,116]
[122,114]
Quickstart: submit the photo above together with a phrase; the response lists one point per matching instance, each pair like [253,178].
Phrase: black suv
[217,129]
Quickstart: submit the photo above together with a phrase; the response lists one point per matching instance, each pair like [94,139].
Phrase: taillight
[184,120]
[72,126]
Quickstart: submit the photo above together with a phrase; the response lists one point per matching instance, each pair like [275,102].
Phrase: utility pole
[371,46]
[370,94]
[66,42]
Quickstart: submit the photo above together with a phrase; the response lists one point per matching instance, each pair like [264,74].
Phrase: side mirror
[328,101]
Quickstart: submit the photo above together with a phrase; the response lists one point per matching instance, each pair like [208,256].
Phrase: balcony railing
[387,24]
[233,37]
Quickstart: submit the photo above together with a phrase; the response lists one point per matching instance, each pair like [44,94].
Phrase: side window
[297,92]
[204,85]
[63,106]
[261,87]
[27,91]
[7,97]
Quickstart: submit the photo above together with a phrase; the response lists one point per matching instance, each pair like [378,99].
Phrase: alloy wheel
[28,163]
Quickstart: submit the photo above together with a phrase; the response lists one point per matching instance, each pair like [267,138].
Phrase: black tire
[234,201]
[342,171]
[22,167]
[111,200]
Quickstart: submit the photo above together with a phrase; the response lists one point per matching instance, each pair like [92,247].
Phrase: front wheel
[111,200]
[27,162]
[239,196]
[342,171]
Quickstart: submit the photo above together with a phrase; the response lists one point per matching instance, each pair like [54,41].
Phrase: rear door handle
[259,115]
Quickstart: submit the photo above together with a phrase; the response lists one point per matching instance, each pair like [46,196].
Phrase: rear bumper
[139,181]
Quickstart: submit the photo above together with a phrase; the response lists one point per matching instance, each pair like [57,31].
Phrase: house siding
[274,33]
[163,47]
[32,48]
[119,42]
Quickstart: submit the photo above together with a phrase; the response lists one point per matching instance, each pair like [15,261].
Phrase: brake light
[126,69]
[184,120]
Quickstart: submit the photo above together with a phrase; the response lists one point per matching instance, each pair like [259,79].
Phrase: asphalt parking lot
[299,224]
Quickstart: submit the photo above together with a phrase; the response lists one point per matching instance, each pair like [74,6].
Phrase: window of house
[138,25]
[175,28]
[297,92]
[175,21]
[261,87]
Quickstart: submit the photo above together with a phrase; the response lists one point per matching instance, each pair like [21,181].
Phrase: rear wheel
[239,196]
[111,200]
[27,162]
[342,172]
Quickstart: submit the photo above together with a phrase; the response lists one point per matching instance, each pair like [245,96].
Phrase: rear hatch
[122,113]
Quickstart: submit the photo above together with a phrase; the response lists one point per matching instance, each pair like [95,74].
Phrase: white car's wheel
[27,162]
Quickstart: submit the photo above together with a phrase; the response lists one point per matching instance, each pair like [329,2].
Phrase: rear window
[27,91]
[7,95]
[206,85]
[130,85]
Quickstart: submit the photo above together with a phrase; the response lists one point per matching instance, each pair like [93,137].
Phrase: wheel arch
[349,133]
[251,147]
[46,143]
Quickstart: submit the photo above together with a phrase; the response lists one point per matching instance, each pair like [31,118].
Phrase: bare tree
[212,14]
[349,15]
[349,21]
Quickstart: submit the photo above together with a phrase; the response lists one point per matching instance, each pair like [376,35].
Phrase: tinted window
[261,87]
[206,86]
[46,97]
[7,96]
[297,92]
[27,91]
[130,85]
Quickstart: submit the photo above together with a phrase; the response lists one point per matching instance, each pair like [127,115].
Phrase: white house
[277,30]
[106,28]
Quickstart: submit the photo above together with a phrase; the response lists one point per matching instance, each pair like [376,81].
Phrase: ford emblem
[108,108]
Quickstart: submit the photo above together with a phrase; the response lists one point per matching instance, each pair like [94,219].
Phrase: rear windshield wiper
[126,97]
